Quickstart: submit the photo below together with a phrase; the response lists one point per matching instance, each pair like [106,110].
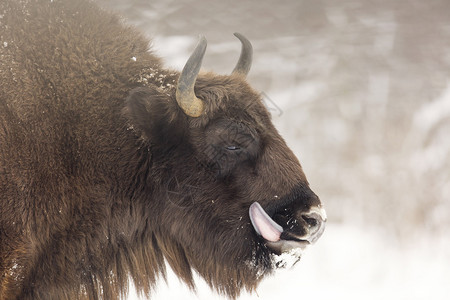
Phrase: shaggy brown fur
[102,175]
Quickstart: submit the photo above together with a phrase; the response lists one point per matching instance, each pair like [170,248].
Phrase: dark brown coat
[103,176]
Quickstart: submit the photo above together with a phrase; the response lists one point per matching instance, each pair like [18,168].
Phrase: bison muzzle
[111,165]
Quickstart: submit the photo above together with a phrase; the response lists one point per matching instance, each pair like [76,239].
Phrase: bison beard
[111,165]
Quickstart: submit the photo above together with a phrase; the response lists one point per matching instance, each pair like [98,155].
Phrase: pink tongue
[263,224]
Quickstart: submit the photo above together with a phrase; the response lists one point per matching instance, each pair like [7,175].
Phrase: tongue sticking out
[263,224]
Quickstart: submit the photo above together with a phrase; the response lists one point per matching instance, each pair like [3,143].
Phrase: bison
[111,165]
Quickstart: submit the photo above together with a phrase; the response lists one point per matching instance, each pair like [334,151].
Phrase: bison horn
[189,103]
[245,59]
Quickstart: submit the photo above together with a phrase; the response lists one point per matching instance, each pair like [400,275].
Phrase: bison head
[225,195]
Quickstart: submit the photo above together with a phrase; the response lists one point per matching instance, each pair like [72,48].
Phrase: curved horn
[245,60]
[189,103]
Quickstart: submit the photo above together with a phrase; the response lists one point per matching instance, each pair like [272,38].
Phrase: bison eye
[233,148]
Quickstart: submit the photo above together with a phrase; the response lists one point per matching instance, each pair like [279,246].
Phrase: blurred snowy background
[363,91]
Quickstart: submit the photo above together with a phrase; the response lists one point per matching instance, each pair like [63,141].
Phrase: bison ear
[155,115]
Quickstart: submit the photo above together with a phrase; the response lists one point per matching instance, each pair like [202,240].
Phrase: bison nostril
[315,220]
[312,223]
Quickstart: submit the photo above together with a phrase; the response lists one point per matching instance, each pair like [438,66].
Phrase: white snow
[287,260]
[348,263]
[432,113]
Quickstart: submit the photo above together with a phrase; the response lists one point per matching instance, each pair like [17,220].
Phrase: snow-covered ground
[351,263]
[361,92]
